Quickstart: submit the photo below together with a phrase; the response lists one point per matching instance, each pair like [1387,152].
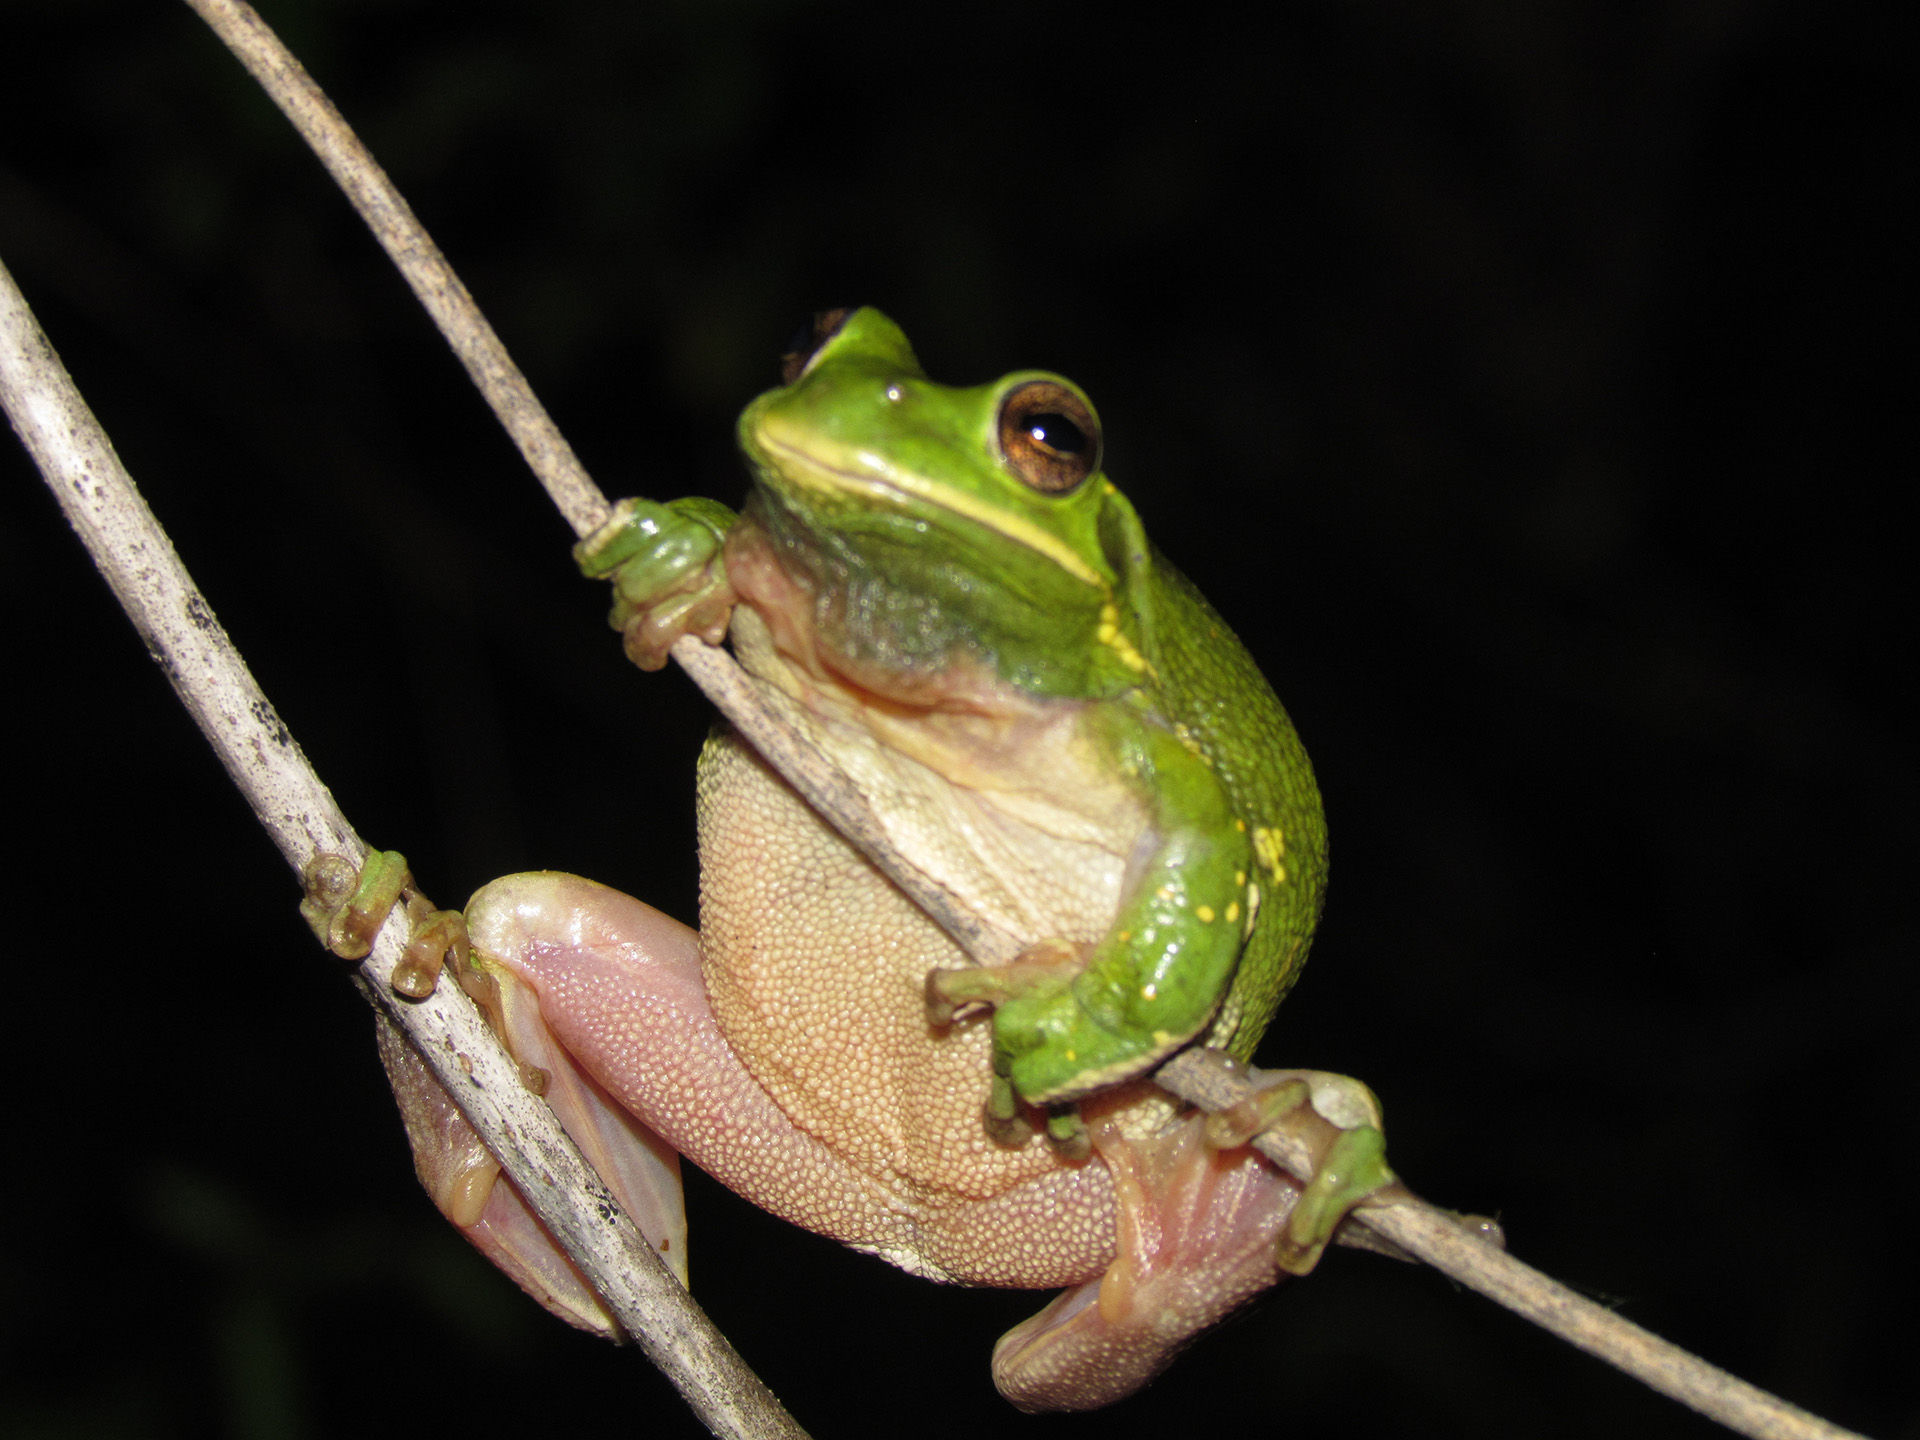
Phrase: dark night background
[1518,379]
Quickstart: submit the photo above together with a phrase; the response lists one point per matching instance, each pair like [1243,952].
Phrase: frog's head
[934,523]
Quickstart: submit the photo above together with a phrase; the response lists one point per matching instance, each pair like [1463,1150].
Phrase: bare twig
[392,221]
[139,563]
[1414,1226]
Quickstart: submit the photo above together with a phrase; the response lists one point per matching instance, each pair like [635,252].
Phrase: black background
[1520,380]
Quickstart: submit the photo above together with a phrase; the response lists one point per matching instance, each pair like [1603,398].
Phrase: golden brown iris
[1049,436]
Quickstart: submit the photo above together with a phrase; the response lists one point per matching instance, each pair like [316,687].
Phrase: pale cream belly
[816,966]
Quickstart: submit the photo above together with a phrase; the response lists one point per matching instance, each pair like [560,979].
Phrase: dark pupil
[1057,433]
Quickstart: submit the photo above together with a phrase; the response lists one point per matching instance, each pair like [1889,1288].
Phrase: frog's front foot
[1044,969]
[1338,1120]
[669,578]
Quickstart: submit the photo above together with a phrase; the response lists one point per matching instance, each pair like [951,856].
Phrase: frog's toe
[1041,970]
[1197,1239]
[1067,1133]
[1338,1120]
[346,907]
[435,936]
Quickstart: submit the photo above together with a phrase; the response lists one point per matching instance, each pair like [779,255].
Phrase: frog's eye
[1049,436]
[807,341]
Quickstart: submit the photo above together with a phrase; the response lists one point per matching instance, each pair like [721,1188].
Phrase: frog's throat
[877,479]
[776,636]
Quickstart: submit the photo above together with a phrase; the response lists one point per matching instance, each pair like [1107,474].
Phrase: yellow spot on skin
[1240,825]
[1162,1037]
[1233,911]
[1124,936]
[1205,912]
[1268,847]
[1239,877]
[1073,1055]
[1129,657]
[1108,634]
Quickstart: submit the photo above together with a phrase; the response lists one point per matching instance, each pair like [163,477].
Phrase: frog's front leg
[1072,1019]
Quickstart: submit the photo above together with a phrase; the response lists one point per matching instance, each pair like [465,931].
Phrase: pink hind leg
[1198,1228]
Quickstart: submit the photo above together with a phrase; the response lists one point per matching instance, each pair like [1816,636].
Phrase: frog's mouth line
[877,479]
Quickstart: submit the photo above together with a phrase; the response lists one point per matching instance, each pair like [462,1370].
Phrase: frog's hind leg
[620,986]
[506,920]
[1197,1233]
[464,1181]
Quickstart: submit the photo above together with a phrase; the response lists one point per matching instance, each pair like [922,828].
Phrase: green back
[1211,685]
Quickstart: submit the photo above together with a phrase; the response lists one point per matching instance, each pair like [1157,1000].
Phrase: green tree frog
[951,601]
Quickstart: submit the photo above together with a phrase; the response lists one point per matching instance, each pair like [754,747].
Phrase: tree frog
[949,599]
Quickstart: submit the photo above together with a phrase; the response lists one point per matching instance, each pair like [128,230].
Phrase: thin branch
[180,631]
[755,710]
[392,221]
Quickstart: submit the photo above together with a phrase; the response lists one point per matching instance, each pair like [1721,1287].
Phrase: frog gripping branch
[995,698]
[951,602]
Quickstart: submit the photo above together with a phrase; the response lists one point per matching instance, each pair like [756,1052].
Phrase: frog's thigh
[619,986]
[1197,1240]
